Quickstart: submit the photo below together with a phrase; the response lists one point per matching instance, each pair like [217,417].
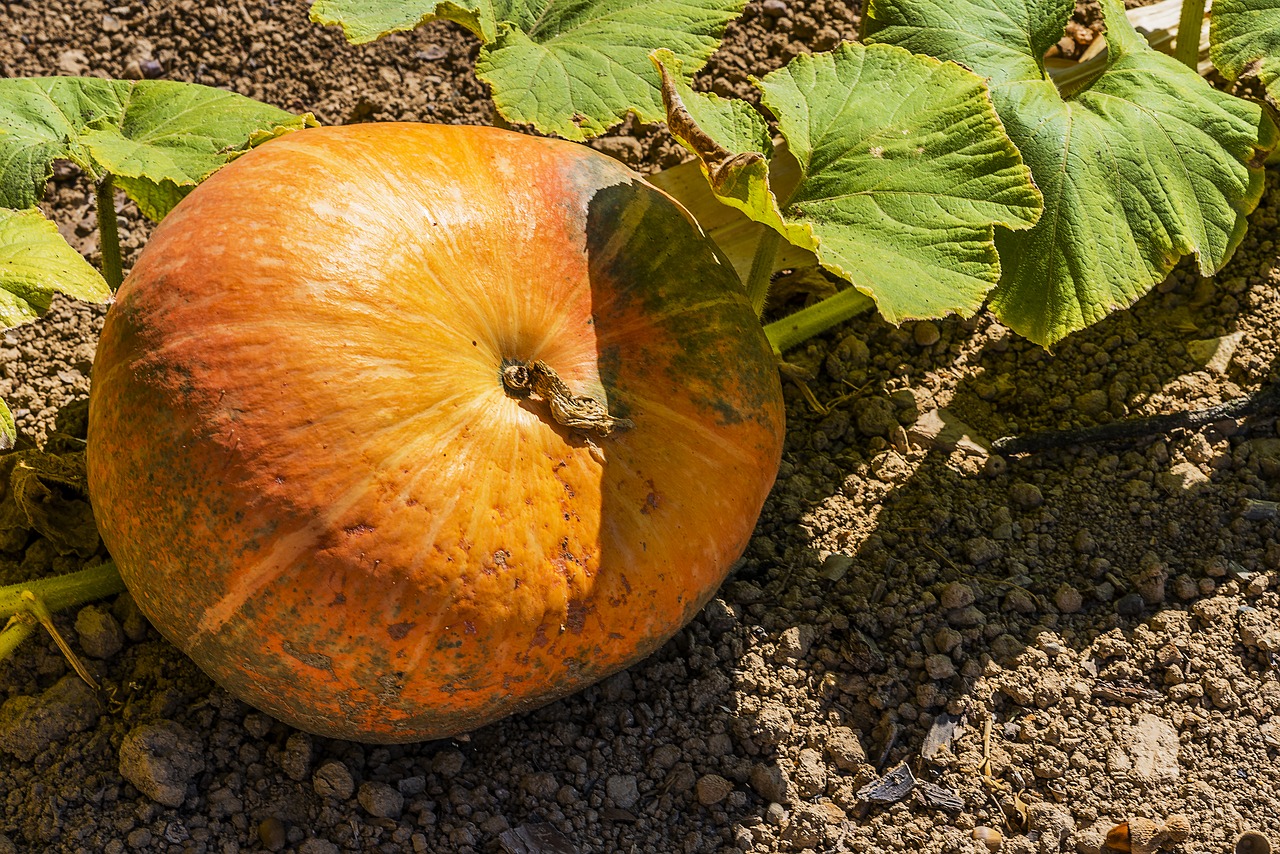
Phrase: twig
[1265,401]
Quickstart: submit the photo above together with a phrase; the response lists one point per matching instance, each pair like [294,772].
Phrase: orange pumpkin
[312,466]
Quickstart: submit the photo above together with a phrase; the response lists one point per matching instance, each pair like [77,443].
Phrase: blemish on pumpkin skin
[398,631]
[358,530]
[339,599]
[575,617]
[318,660]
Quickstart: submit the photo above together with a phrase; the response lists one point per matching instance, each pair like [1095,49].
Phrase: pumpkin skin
[305,464]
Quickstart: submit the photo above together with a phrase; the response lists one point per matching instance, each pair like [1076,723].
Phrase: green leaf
[1139,166]
[363,21]
[569,67]
[577,69]
[35,263]
[8,429]
[1245,32]
[904,172]
[159,138]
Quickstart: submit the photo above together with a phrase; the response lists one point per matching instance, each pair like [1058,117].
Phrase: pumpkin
[397,429]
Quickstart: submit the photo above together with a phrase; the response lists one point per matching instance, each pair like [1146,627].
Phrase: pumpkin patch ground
[1052,643]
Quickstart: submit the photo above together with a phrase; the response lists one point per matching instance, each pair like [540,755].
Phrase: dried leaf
[535,839]
[890,788]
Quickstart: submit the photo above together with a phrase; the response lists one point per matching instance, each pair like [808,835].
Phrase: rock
[333,780]
[939,667]
[771,783]
[1026,495]
[1093,403]
[812,824]
[795,643]
[876,416]
[941,428]
[844,748]
[774,723]
[1214,354]
[542,785]
[1183,477]
[296,758]
[28,725]
[1068,599]
[956,595]
[159,759]
[711,789]
[380,800]
[1151,745]
[1130,605]
[623,790]
[925,333]
[100,633]
[981,550]
[811,773]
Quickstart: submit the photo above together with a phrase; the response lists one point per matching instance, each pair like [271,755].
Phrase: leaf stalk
[109,233]
[1187,47]
[761,272]
[818,318]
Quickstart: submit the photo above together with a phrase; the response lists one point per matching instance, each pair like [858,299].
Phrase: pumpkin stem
[575,411]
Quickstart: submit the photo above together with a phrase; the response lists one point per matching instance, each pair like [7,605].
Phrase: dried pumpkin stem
[575,411]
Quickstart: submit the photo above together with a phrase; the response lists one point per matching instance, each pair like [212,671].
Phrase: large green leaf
[363,21]
[35,263]
[1245,35]
[1140,165]
[158,138]
[904,172]
[569,67]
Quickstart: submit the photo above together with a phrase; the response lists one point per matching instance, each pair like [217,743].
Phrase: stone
[333,780]
[1214,354]
[28,725]
[844,748]
[1151,745]
[380,800]
[711,789]
[100,633]
[811,773]
[623,790]
[160,759]
[771,783]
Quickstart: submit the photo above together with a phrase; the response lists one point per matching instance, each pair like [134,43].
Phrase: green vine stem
[762,269]
[1187,48]
[62,591]
[816,319]
[12,636]
[109,233]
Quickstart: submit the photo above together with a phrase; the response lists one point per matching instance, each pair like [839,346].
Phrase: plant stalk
[762,269]
[816,319]
[1187,47]
[62,591]
[109,233]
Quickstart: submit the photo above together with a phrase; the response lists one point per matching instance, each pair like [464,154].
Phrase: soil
[1050,643]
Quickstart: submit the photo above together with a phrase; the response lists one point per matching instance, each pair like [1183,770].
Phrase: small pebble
[1130,605]
[925,333]
[333,780]
[380,800]
[712,789]
[100,633]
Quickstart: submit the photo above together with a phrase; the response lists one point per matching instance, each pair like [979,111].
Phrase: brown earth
[1102,619]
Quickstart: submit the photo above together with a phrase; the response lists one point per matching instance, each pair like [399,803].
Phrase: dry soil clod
[1144,836]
